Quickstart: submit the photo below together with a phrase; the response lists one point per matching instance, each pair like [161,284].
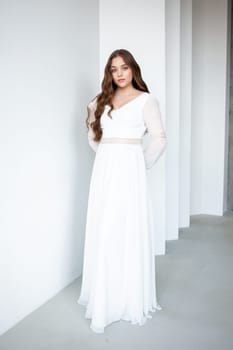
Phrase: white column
[139,26]
[172,116]
[185,112]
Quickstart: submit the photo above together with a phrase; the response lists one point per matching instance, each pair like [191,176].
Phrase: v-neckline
[127,103]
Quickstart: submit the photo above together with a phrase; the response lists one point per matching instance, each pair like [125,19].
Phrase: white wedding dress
[118,279]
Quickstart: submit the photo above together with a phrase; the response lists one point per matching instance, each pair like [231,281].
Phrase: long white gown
[118,279]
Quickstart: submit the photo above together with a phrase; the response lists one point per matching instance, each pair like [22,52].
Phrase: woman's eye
[113,70]
[125,68]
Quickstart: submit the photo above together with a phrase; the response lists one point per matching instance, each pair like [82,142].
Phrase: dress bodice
[132,120]
[127,121]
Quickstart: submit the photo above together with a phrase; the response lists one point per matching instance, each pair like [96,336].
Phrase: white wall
[49,71]
[209,105]
[139,26]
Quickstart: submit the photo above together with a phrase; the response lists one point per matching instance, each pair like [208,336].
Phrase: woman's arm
[91,112]
[154,125]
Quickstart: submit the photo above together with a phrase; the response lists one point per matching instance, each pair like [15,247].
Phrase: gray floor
[195,289]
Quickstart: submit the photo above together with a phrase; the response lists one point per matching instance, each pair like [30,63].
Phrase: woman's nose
[119,73]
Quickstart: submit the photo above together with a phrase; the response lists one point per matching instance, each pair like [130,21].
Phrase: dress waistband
[120,140]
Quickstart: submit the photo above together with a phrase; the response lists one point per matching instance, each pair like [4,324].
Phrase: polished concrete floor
[194,287]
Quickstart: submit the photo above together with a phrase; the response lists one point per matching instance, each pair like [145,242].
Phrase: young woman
[118,280]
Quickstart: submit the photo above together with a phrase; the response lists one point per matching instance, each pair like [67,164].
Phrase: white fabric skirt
[118,280]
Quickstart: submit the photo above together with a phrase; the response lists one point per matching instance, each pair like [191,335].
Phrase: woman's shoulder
[151,96]
[151,104]
[92,104]
[151,99]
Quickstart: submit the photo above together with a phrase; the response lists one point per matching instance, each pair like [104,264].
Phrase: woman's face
[121,73]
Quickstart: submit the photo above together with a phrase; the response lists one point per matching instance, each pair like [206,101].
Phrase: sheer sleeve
[157,136]
[91,112]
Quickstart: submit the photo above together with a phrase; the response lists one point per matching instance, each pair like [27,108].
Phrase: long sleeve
[91,110]
[154,125]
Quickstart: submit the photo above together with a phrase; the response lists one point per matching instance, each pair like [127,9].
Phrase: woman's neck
[126,91]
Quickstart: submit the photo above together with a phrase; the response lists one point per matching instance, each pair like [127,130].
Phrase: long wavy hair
[108,89]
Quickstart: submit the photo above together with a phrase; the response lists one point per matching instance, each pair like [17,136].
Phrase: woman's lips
[120,80]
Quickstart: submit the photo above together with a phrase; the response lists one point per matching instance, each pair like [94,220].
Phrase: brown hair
[108,88]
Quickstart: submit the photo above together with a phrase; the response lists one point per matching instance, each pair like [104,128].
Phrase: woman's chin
[122,85]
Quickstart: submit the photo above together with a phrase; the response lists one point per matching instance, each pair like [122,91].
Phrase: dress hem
[141,322]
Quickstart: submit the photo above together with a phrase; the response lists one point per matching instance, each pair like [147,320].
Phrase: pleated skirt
[118,279]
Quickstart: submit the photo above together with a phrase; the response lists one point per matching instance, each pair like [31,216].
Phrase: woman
[118,280]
